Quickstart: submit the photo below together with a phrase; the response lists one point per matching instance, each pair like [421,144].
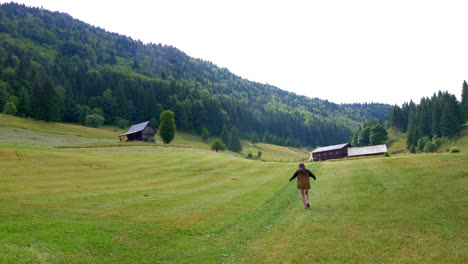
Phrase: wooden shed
[331,152]
[140,132]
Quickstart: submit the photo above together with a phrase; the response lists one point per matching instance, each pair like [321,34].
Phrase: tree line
[56,68]
[441,115]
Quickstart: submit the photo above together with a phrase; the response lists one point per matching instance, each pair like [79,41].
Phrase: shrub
[249,156]
[454,149]
[10,108]
[422,143]
[217,145]
[94,120]
[259,154]
[167,128]
[430,147]
[386,154]
[412,149]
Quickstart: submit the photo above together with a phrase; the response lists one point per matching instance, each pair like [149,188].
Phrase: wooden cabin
[331,152]
[139,132]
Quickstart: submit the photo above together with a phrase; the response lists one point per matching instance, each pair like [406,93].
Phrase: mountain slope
[57,68]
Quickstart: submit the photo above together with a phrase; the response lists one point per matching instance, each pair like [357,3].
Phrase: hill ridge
[88,70]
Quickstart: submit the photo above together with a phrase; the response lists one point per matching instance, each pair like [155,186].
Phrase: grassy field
[56,128]
[139,204]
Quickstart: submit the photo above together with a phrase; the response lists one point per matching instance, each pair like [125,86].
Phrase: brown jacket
[303,179]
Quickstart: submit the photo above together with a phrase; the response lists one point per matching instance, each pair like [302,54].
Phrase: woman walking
[303,183]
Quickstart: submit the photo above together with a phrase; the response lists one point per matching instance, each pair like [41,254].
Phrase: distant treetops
[372,132]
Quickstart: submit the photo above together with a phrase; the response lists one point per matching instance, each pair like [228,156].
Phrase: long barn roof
[370,150]
[329,148]
[137,128]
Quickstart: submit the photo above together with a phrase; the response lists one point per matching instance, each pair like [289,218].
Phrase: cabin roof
[137,128]
[329,148]
[370,150]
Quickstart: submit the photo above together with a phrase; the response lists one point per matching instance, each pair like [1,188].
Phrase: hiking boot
[308,205]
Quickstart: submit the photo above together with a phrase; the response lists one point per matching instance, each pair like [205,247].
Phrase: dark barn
[140,132]
[331,152]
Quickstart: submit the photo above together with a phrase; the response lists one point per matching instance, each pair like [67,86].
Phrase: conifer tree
[363,137]
[412,133]
[205,134]
[234,141]
[225,135]
[464,100]
[3,95]
[167,126]
[46,104]
[435,122]
[378,135]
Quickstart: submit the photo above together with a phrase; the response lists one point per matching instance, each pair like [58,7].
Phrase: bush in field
[10,108]
[167,128]
[94,120]
[249,155]
[430,147]
[386,154]
[217,145]
[454,149]
[412,149]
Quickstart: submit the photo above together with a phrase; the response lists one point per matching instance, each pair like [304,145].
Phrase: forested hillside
[56,68]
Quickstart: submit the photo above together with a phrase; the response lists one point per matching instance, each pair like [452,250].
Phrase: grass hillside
[177,205]
[55,128]
[396,142]
[29,132]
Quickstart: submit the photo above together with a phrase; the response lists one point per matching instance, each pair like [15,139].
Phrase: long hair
[302,169]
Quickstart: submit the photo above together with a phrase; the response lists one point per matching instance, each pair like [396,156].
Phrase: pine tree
[363,137]
[355,137]
[44,103]
[24,102]
[225,135]
[464,100]
[254,138]
[234,141]
[412,133]
[378,135]
[3,95]
[167,126]
[435,122]
[205,134]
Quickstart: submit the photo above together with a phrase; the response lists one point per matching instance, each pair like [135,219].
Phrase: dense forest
[56,68]
[440,116]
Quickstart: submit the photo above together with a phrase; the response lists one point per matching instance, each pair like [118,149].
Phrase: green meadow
[70,194]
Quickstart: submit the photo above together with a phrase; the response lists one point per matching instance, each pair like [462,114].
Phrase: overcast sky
[340,50]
